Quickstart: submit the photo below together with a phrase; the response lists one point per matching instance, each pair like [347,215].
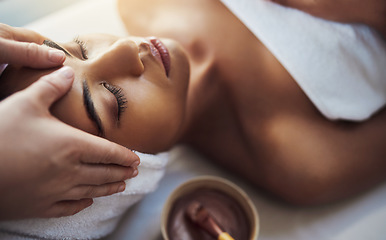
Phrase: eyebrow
[53,44]
[92,114]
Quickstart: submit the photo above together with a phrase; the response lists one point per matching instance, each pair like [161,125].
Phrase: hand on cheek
[49,169]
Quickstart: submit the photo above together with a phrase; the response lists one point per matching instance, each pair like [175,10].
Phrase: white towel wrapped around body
[99,219]
[340,67]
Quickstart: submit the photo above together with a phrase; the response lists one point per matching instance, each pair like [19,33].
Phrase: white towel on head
[340,67]
[99,219]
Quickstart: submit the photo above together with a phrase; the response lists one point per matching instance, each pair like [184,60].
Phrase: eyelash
[82,46]
[121,99]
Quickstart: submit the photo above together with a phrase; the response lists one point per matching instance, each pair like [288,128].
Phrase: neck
[202,89]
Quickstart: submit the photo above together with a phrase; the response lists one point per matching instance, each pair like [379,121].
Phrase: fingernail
[56,56]
[135,173]
[121,187]
[135,164]
[66,72]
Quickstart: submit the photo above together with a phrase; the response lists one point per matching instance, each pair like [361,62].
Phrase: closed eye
[119,96]
[80,52]
[83,48]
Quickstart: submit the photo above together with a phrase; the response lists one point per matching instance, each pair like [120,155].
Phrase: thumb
[51,87]
[29,54]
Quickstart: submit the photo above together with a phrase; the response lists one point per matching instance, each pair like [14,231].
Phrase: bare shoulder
[312,160]
[288,148]
[258,122]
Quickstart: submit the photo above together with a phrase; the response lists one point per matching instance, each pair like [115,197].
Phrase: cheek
[151,126]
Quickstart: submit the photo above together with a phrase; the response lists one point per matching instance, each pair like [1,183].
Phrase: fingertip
[104,151]
[131,160]
[124,157]
[135,173]
[66,73]
[129,173]
[56,56]
[122,187]
[61,79]
[134,156]
[135,164]
[40,56]
[52,86]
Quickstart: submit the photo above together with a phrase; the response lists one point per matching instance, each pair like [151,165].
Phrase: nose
[119,60]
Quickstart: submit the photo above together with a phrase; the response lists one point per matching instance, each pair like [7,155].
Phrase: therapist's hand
[22,46]
[370,12]
[48,168]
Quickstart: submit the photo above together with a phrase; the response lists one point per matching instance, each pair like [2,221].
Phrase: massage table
[361,217]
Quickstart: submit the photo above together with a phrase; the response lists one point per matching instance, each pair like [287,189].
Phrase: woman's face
[131,91]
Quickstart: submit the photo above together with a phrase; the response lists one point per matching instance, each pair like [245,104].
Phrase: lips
[159,50]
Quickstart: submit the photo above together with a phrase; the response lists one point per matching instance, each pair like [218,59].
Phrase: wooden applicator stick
[200,216]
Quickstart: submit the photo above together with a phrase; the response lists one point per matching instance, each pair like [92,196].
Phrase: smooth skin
[49,169]
[246,113]
[147,111]
[253,119]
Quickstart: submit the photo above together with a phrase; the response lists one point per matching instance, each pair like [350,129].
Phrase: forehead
[98,38]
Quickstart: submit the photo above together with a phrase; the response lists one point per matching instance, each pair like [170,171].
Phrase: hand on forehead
[22,46]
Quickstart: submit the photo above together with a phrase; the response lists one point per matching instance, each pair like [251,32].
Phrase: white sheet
[363,217]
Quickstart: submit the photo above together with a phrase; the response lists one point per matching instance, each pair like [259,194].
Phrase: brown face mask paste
[226,211]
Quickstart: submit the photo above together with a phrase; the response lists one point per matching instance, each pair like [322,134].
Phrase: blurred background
[18,13]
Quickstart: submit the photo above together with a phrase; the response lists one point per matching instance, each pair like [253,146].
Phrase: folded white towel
[340,67]
[99,219]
